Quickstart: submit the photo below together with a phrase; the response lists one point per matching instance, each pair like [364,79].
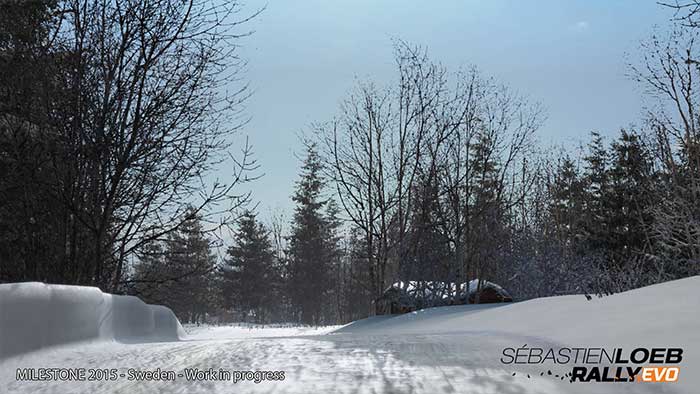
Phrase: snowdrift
[661,313]
[36,315]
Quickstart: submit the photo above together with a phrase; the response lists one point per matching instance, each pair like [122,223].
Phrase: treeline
[266,274]
[439,177]
[594,223]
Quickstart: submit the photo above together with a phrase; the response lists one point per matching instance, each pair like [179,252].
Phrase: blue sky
[569,55]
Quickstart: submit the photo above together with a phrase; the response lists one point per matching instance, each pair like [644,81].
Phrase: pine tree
[248,271]
[357,291]
[484,168]
[595,224]
[331,311]
[629,198]
[429,254]
[192,264]
[150,275]
[566,195]
[179,272]
[487,231]
[312,244]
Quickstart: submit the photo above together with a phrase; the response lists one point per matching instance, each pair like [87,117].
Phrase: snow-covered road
[466,362]
[441,350]
[337,363]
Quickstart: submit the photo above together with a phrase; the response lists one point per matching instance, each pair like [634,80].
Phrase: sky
[306,55]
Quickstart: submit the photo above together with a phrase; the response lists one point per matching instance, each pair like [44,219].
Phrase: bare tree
[486,137]
[670,71]
[686,12]
[466,142]
[277,223]
[146,112]
[374,150]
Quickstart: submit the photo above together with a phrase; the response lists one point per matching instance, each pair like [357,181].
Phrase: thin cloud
[581,26]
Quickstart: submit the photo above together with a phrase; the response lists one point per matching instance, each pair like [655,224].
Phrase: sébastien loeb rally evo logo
[598,364]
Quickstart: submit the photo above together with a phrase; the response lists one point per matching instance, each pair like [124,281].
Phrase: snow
[453,349]
[250,330]
[34,316]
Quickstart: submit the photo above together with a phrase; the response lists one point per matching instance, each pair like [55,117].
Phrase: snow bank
[642,315]
[35,315]
[662,315]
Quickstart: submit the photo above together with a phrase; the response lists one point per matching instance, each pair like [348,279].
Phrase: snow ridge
[36,315]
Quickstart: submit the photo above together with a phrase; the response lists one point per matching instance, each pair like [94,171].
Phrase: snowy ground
[249,330]
[441,350]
